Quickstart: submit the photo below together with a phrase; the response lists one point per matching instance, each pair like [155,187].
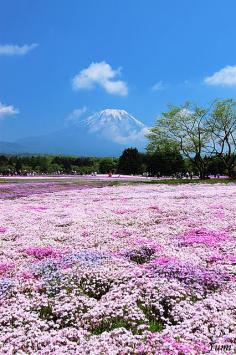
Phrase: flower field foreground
[145,269]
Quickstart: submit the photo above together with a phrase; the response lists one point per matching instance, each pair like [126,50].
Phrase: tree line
[48,164]
[131,161]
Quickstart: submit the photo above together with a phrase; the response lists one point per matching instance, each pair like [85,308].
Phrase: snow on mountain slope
[117,125]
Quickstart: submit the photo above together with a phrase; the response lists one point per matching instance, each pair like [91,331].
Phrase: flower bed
[144,269]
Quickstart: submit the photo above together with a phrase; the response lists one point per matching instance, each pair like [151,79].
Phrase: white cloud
[159,86]
[7,110]
[14,49]
[134,137]
[76,114]
[103,75]
[223,77]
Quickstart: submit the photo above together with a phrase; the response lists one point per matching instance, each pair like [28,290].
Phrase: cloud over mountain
[76,114]
[7,110]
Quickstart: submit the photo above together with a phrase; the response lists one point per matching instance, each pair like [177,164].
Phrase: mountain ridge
[107,132]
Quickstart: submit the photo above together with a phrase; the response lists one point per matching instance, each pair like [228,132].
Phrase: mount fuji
[105,133]
[116,125]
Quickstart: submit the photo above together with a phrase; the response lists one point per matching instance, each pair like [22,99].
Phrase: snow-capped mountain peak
[117,125]
[115,113]
[115,119]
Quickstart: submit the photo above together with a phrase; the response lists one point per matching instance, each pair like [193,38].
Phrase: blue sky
[88,55]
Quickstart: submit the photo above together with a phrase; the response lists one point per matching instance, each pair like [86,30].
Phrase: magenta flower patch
[123,233]
[203,236]
[42,252]
[164,260]
[5,267]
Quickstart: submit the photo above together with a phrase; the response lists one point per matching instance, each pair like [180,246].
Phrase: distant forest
[130,162]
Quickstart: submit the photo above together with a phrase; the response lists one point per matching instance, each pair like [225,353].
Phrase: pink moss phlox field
[139,269]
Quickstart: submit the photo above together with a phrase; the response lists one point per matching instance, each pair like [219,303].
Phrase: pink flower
[232,259]
[203,236]
[155,208]
[124,211]
[2,229]
[26,275]
[162,260]
[215,257]
[42,252]
[37,208]
[4,267]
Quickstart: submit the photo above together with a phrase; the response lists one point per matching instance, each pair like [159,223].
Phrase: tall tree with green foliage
[130,162]
[183,128]
[107,164]
[222,127]
[164,163]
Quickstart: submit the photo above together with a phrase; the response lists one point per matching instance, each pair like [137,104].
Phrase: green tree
[130,162]
[183,129]
[165,163]
[222,127]
[44,165]
[107,164]
[18,165]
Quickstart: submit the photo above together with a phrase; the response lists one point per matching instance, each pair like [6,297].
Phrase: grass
[155,326]
[185,182]
[116,182]
[45,312]
[106,326]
